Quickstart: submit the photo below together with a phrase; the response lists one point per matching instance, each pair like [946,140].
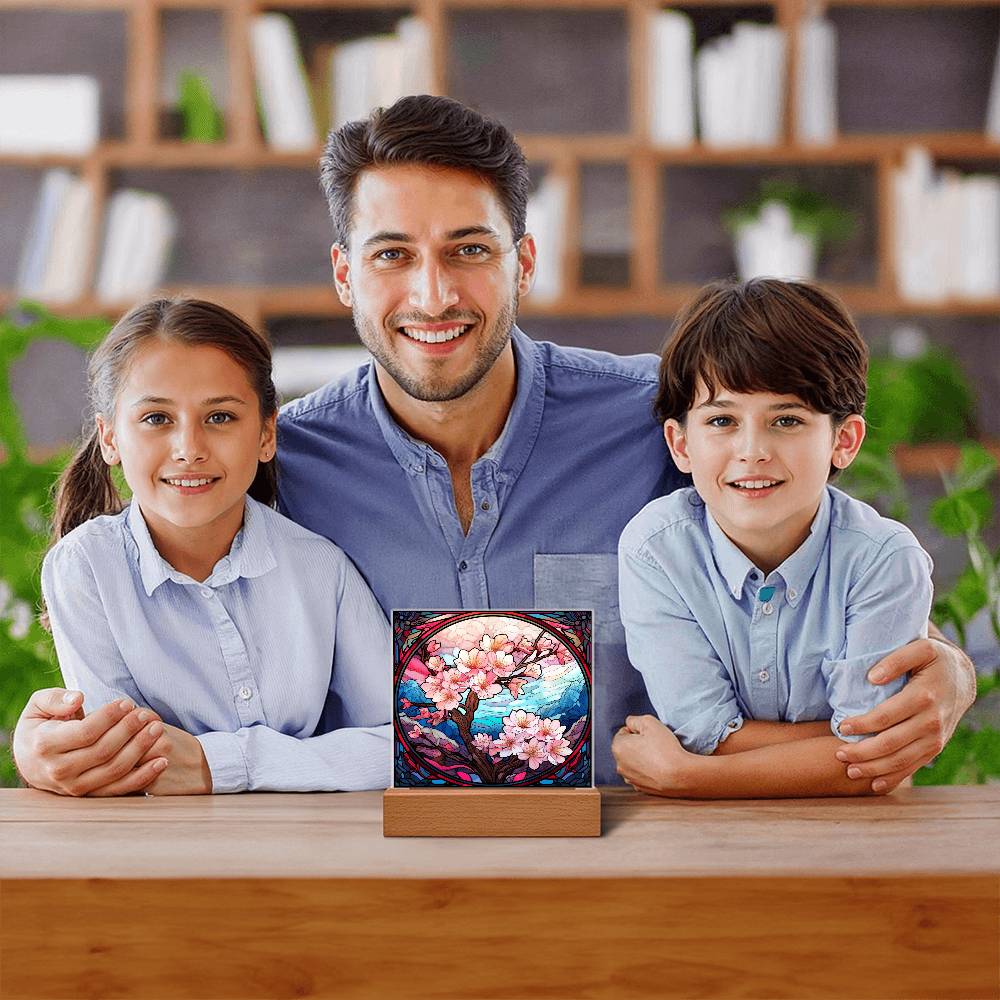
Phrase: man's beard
[431,390]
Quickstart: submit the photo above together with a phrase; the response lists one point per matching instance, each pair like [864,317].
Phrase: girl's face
[188,433]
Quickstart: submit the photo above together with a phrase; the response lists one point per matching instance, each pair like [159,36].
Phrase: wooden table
[301,896]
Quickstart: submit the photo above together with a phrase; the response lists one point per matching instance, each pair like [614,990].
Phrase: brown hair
[765,335]
[434,131]
[86,489]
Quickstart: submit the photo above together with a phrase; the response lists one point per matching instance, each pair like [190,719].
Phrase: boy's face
[760,462]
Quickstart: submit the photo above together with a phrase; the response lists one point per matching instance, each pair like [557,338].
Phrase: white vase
[769,247]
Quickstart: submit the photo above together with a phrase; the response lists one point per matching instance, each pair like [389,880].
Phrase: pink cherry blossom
[550,729]
[524,645]
[405,702]
[415,733]
[502,663]
[448,700]
[563,655]
[424,713]
[556,751]
[508,743]
[482,684]
[496,644]
[435,663]
[520,721]
[515,684]
[471,659]
[544,644]
[534,753]
[482,741]
[436,718]
[433,646]
[432,686]
[532,670]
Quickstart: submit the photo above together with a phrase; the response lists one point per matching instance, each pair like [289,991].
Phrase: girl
[256,642]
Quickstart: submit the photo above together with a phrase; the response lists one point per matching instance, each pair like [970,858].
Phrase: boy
[755,603]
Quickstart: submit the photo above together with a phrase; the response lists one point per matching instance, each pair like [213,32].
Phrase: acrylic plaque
[492,699]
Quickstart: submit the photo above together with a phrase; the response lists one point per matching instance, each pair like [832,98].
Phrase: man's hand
[649,757]
[57,749]
[914,725]
[188,773]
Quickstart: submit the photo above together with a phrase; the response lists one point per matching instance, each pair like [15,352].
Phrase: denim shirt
[580,453]
[282,633]
[717,642]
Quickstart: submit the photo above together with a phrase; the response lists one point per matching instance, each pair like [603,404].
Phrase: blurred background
[172,145]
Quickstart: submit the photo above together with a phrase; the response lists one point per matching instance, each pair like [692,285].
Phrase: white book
[415,37]
[993,109]
[949,191]
[715,67]
[546,221]
[816,84]
[49,114]
[67,269]
[979,238]
[671,79]
[37,247]
[118,245]
[918,206]
[384,72]
[744,105]
[349,78]
[771,89]
[281,84]
[158,228]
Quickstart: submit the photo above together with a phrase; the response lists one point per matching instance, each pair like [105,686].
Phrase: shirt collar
[797,570]
[511,449]
[250,554]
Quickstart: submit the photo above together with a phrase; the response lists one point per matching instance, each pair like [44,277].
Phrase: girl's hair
[86,489]
[765,335]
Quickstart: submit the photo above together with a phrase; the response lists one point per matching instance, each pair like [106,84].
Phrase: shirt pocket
[581,581]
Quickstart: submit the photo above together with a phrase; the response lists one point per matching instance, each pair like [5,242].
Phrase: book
[37,247]
[816,83]
[671,79]
[283,94]
[68,265]
[546,221]
[49,114]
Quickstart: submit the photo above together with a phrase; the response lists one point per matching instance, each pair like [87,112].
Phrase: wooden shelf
[933,459]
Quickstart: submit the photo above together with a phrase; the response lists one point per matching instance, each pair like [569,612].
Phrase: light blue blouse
[717,642]
[279,662]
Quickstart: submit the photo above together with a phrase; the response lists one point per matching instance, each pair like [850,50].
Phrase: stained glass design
[487,698]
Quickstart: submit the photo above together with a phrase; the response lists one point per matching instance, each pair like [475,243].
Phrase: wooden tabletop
[918,831]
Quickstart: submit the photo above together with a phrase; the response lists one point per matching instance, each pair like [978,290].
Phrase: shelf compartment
[581,86]
[605,226]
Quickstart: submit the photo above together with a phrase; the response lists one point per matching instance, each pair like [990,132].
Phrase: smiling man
[469,466]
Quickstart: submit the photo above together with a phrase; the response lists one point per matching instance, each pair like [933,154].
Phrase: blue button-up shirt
[580,453]
[717,642]
[246,660]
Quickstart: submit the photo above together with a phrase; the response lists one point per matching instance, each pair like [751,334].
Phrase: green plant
[27,661]
[812,214]
[201,119]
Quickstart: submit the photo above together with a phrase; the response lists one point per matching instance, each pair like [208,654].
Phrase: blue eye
[720,421]
[383,255]
[478,250]
[154,419]
[224,418]
[791,421]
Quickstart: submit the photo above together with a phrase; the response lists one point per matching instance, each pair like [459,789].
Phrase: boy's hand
[914,725]
[188,772]
[650,758]
[58,750]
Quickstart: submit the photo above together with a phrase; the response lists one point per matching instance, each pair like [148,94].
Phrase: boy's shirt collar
[796,571]
[249,555]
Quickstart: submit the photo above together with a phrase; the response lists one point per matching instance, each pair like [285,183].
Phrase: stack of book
[375,72]
[947,235]
[736,83]
[816,82]
[55,261]
[363,74]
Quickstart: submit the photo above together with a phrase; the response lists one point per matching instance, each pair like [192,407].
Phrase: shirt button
[485,505]
[245,693]
[207,592]
[763,676]
[733,724]
[792,593]
[463,566]
[767,608]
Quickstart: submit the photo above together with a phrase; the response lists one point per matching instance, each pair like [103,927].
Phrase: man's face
[433,276]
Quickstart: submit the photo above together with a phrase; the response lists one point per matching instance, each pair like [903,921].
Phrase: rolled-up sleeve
[888,606]
[686,680]
[89,657]
[354,752]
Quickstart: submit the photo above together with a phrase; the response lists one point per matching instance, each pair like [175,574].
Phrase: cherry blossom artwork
[487,698]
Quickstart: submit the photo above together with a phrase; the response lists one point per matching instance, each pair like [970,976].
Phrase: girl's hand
[650,758]
[187,771]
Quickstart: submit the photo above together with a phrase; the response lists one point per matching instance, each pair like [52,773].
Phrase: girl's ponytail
[84,490]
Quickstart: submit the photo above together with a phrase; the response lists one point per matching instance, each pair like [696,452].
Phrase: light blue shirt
[579,455]
[282,634]
[717,642]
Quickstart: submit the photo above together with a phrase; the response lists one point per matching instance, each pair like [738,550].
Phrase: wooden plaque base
[491,812]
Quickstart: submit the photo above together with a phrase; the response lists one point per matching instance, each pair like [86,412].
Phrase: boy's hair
[765,335]
[86,488]
[429,131]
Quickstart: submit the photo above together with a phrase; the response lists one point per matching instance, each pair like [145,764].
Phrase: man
[468,466]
